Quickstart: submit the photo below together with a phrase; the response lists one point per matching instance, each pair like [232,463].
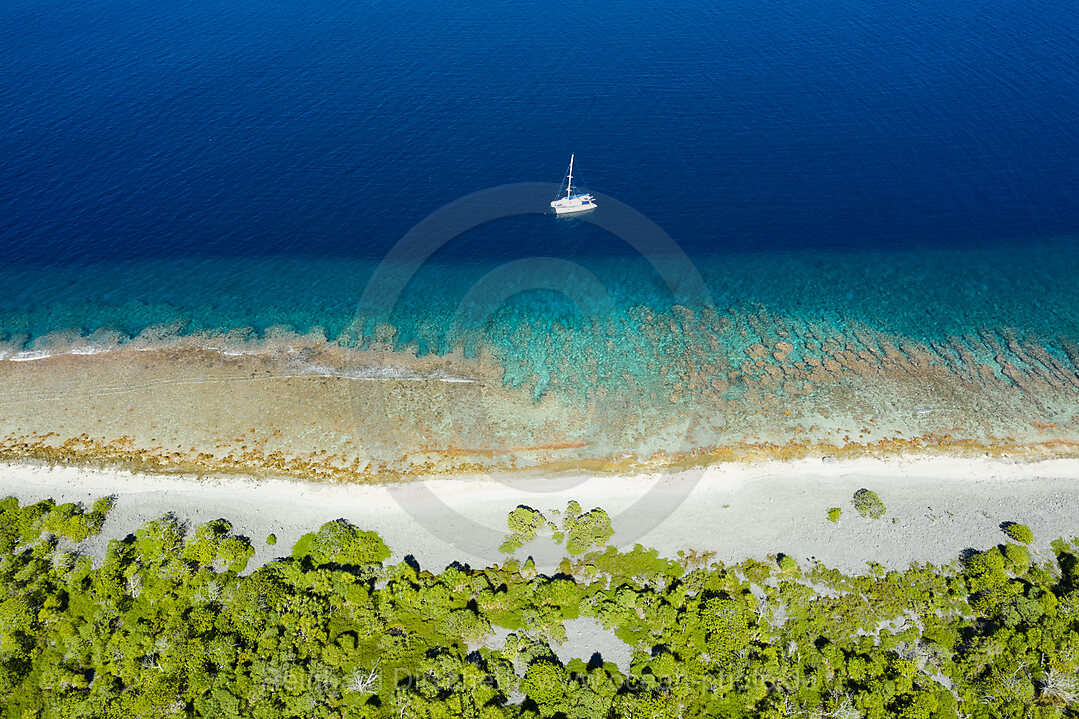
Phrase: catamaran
[579,202]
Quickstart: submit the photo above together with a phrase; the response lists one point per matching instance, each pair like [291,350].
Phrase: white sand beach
[937,507]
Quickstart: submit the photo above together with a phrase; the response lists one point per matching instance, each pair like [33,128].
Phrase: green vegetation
[26,525]
[585,530]
[581,531]
[868,504]
[339,543]
[168,624]
[524,522]
[834,513]
[1018,532]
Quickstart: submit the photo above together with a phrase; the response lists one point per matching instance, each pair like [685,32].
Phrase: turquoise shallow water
[524,313]
[243,169]
[930,294]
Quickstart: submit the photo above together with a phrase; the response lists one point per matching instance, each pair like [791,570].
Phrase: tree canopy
[170,622]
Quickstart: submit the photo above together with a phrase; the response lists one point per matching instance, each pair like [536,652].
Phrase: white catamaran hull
[567,209]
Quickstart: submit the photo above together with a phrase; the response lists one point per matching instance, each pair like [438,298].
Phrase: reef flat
[631,392]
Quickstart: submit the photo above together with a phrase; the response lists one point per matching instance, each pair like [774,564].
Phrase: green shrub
[640,564]
[26,525]
[1016,558]
[985,570]
[1018,532]
[214,545]
[159,541]
[588,530]
[868,503]
[523,523]
[726,622]
[573,510]
[338,542]
[271,539]
[545,683]
[17,620]
[71,521]
[786,562]
[941,636]
[834,513]
[509,546]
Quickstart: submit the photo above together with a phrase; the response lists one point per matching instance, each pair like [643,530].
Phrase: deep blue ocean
[215,165]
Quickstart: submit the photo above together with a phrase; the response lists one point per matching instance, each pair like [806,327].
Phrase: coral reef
[628,392]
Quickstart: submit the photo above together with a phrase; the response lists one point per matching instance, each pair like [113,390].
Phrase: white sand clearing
[937,507]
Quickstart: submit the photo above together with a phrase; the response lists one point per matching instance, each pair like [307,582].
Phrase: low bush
[524,523]
[588,530]
[1018,532]
[868,504]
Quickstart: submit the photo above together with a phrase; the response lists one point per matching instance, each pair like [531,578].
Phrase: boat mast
[569,183]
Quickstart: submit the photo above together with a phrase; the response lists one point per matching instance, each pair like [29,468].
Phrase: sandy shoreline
[937,507]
